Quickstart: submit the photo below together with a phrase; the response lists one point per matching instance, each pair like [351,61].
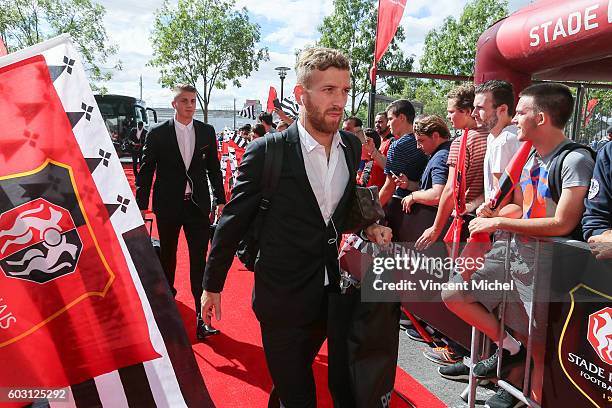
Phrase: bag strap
[273,163]
[555,181]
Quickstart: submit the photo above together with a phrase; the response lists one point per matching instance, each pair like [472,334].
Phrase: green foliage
[451,49]
[351,28]
[27,22]
[602,112]
[205,40]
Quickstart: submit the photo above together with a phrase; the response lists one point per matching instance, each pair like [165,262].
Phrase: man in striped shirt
[460,106]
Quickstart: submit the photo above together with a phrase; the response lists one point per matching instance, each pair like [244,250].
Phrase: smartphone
[393,174]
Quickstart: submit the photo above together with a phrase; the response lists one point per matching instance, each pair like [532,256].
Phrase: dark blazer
[133,139]
[295,243]
[161,156]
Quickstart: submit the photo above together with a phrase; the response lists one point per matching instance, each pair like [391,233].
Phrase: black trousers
[290,353]
[136,158]
[196,226]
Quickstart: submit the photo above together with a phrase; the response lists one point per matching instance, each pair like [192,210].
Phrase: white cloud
[286,24]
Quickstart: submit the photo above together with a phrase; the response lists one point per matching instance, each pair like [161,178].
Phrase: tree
[602,113]
[28,22]
[451,49]
[351,28]
[207,40]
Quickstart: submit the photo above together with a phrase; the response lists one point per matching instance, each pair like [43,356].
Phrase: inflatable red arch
[560,40]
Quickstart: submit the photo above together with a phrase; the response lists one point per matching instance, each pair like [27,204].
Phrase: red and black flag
[83,297]
[480,243]
[512,174]
[453,235]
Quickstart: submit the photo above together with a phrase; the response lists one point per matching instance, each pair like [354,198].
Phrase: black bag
[248,248]
[364,210]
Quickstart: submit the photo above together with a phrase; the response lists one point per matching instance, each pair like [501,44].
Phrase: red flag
[390,14]
[511,175]
[69,309]
[453,235]
[589,110]
[3,50]
[271,97]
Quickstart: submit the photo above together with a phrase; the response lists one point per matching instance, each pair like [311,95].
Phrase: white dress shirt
[328,178]
[185,137]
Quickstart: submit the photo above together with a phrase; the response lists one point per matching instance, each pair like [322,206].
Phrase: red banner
[390,14]
[588,113]
[271,97]
[453,235]
[69,307]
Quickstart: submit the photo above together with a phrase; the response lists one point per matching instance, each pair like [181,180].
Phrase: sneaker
[503,399]
[488,368]
[413,334]
[442,355]
[405,323]
[457,372]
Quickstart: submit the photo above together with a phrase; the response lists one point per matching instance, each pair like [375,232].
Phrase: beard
[491,122]
[318,120]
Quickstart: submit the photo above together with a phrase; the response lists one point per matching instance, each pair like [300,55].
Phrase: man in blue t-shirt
[597,220]
[432,137]
[405,161]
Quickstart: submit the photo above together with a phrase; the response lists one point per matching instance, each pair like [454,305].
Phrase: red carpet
[233,364]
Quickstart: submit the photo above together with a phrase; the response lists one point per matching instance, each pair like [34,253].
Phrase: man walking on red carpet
[182,154]
[297,272]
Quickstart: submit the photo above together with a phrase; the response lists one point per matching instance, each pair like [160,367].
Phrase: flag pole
[372,96]
[234,113]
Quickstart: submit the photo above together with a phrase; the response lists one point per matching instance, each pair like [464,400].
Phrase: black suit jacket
[295,244]
[161,156]
[135,141]
[133,135]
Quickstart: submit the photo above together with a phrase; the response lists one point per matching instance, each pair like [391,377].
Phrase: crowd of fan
[414,159]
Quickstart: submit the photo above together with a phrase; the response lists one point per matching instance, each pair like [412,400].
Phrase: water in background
[219,119]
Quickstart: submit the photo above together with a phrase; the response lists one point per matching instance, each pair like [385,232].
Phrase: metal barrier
[480,346]
[542,292]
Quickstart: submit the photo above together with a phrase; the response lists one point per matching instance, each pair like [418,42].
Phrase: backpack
[555,181]
[248,248]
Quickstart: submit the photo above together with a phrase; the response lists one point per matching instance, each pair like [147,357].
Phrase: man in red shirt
[377,176]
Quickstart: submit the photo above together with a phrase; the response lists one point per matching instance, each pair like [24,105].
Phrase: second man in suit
[182,154]
[137,137]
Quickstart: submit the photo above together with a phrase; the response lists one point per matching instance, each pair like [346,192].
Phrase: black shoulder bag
[248,248]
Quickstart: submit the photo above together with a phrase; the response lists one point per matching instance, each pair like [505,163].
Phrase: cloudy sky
[285,26]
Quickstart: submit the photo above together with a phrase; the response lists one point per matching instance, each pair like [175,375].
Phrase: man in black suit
[297,272]
[137,137]
[182,153]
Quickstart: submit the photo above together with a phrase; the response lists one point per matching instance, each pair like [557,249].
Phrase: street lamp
[282,73]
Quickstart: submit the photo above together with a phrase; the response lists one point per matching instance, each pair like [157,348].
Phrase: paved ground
[412,361]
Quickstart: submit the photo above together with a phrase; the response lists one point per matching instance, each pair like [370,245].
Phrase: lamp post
[282,73]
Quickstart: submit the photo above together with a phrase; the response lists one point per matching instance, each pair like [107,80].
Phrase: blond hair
[180,88]
[426,125]
[318,58]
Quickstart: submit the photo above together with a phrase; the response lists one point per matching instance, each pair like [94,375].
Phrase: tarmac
[412,361]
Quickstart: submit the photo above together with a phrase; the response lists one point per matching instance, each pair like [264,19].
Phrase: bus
[121,113]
